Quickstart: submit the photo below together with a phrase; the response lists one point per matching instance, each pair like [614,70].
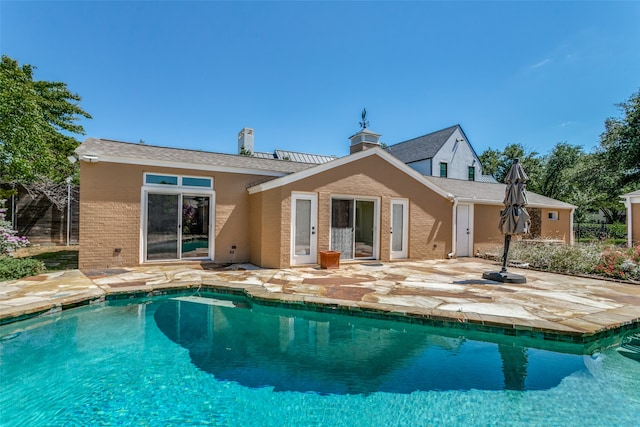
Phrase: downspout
[454,226]
[571,235]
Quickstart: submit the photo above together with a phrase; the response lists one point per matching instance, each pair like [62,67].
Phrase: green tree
[497,163]
[490,160]
[620,143]
[559,169]
[37,123]
[614,168]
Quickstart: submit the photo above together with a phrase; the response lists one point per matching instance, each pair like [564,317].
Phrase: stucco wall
[430,213]
[556,229]
[111,214]
[486,237]
[635,221]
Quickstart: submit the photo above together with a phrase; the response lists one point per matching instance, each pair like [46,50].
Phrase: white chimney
[245,141]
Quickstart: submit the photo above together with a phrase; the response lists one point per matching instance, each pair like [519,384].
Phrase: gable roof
[105,150]
[490,193]
[422,147]
[377,151]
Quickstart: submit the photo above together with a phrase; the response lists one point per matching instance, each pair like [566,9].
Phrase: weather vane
[364,123]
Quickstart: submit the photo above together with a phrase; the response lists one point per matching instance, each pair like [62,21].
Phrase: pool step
[630,347]
[212,301]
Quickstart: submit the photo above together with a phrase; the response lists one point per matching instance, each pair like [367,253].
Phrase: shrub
[16,268]
[578,259]
[9,241]
[593,258]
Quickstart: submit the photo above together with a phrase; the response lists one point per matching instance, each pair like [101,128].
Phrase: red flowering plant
[619,263]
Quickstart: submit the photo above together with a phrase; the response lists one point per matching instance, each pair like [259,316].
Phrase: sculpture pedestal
[504,277]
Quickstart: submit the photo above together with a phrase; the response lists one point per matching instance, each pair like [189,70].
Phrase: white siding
[458,155]
[422,166]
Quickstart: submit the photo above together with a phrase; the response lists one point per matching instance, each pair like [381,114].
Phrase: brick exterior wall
[111,214]
[430,213]
[259,225]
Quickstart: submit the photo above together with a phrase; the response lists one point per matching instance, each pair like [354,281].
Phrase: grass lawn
[55,258]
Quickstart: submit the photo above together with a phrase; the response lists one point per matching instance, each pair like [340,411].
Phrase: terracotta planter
[329,259]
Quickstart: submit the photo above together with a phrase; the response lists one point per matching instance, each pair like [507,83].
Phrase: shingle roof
[491,193]
[633,193]
[127,152]
[422,147]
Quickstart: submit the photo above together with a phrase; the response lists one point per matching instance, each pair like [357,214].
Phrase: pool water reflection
[222,361]
[310,352]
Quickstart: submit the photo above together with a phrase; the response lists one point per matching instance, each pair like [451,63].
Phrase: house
[446,153]
[144,204]
[632,204]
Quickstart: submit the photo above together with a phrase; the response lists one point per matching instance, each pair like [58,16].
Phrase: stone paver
[435,292]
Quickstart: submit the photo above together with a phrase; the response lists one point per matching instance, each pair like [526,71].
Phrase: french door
[353,228]
[304,215]
[399,228]
[178,226]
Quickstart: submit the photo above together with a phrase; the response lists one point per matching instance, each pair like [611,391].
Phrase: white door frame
[146,190]
[464,230]
[376,221]
[312,257]
[403,252]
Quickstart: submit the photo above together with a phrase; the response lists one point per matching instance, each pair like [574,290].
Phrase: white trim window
[177,218]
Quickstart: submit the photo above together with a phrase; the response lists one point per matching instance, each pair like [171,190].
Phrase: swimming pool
[221,361]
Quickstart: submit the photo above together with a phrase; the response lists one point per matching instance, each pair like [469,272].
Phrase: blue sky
[192,74]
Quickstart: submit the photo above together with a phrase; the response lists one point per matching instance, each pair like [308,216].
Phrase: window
[178,181]
[472,173]
[553,215]
[189,181]
[160,179]
[443,170]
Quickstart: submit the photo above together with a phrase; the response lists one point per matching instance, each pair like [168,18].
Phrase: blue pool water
[220,361]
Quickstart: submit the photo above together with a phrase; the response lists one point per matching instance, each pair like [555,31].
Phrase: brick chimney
[363,140]
[245,141]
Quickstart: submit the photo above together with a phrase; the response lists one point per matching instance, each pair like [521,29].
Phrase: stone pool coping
[447,293]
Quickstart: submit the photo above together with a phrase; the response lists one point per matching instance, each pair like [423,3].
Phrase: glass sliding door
[162,227]
[178,226]
[353,228]
[364,228]
[195,226]
[342,227]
